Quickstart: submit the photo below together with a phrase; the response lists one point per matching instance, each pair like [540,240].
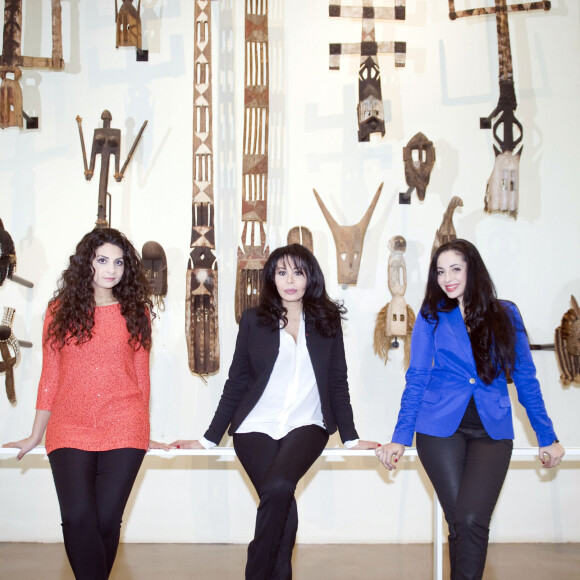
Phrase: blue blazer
[254,357]
[442,377]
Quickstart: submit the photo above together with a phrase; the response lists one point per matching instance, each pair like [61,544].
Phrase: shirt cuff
[351,444]
[207,444]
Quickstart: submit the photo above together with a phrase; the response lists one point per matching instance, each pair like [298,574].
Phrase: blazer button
[472,381]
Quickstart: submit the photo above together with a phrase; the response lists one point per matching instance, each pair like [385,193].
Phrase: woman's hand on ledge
[187,444]
[158,445]
[362,444]
[25,445]
[389,454]
[551,455]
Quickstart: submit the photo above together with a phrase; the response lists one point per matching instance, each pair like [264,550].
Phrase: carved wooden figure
[253,253]
[349,240]
[446,231]
[503,186]
[201,302]
[106,142]
[567,342]
[8,362]
[301,235]
[419,159]
[11,60]
[370,112]
[396,319]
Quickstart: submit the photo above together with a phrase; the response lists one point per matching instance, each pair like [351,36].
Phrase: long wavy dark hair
[318,307]
[73,302]
[490,324]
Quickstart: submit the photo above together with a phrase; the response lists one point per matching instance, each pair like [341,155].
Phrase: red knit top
[98,391]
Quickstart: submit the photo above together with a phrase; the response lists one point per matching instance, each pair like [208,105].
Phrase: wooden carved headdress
[396,319]
[11,60]
[371,116]
[349,240]
[8,362]
[502,190]
[567,342]
[446,232]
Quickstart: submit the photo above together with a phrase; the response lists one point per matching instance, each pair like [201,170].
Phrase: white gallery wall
[448,83]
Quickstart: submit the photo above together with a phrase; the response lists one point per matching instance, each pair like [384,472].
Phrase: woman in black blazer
[287,391]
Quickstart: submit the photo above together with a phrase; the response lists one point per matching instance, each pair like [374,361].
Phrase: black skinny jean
[275,467]
[467,471]
[93,488]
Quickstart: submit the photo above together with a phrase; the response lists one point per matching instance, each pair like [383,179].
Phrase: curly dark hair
[73,303]
[318,307]
[491,326]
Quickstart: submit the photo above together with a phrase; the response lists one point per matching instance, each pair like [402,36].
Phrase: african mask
[349,240]
[155,264]
[419,159]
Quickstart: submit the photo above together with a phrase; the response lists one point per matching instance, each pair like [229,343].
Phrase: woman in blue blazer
[465,345]
[287,391]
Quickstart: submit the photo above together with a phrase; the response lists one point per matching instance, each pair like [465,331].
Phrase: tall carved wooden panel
[11,60]
[371,116]
[201,310]
[502,192]
[253,252]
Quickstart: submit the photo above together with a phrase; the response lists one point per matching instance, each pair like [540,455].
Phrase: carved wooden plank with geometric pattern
[253,253]
[201,312]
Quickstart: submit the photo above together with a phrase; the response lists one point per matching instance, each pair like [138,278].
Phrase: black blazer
[254,357]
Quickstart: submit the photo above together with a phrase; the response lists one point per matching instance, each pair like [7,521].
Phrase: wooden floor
[311,562]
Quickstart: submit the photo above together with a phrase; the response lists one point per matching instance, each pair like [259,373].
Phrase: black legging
[275,467]
[467,473]
[93,488]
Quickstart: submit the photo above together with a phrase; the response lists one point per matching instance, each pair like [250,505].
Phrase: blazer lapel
[315,343]
[457,325]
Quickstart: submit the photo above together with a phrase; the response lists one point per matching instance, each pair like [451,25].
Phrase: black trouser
[467,473]
[93,488]
[275,467]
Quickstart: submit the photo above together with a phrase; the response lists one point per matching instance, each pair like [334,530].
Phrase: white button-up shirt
[291,397]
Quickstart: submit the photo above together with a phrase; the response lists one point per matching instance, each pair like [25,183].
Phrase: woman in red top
[93,395]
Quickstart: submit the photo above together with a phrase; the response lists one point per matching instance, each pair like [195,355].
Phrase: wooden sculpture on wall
[419,159]
[502,190]
[128,24]
[396,319]
[155,264]
[8,362]
[567,342]
[11,60]
[370,112]
[8,260]
[446,231]
[349,240]
[301,235]
[106,142]
[253,253]
[201,301]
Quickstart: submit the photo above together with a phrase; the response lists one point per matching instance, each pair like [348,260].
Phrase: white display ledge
[530,452]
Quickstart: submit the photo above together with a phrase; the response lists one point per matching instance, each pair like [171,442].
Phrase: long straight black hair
[490,324]
[318,307]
